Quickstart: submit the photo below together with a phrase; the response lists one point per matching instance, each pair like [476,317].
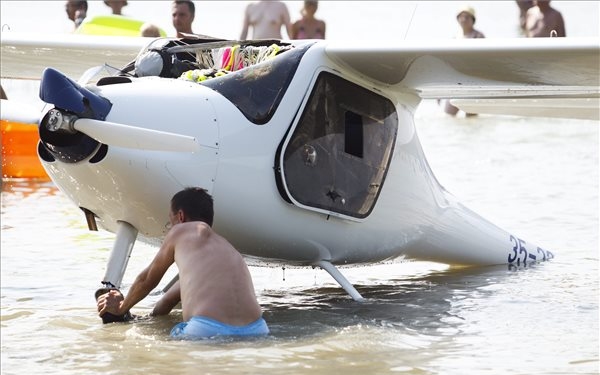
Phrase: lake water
[537,178]
[534,177]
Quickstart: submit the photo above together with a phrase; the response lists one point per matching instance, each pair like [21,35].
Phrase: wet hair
[196,204]
[190,5]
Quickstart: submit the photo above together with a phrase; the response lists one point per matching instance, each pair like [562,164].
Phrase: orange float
[19,151]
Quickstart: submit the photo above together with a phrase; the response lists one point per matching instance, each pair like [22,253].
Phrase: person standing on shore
[308,27]
[266,18]
[116,6]
[543,21]
[524,6]
[182,15]
[466,20]
[76,11]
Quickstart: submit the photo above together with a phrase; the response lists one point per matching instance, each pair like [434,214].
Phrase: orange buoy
[19,151]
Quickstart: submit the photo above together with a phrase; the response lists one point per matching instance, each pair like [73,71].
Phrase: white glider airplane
[309,148]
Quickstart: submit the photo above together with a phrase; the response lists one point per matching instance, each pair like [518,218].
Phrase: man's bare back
[214,279]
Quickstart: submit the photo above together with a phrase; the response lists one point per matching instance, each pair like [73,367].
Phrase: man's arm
[147,280]
[168,301]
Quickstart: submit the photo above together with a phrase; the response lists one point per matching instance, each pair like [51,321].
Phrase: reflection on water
[539,180]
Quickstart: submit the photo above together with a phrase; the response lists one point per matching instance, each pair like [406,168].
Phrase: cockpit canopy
[237,70]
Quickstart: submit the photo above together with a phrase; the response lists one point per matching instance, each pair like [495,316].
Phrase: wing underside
[25,56]
[557,77]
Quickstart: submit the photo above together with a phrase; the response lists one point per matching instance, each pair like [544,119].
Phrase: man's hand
[110,302]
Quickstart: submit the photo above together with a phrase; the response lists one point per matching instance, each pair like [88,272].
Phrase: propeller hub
[55,120]
[61,140]
[58,120]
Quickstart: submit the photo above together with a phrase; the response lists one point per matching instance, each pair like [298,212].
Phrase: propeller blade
[14,111]
[114,134]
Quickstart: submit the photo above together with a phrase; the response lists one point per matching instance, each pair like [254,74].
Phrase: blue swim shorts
[201,327]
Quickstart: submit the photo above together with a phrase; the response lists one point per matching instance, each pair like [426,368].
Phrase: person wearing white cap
[466,20]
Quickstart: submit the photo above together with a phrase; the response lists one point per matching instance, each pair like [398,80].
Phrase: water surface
[537,178]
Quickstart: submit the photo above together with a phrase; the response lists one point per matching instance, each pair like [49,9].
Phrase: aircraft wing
[25,56]
[559,77]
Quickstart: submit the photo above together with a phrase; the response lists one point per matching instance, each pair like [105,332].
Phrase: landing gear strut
[117,263]
[337,275]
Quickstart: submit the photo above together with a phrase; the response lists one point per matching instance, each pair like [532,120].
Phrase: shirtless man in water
[214,287]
